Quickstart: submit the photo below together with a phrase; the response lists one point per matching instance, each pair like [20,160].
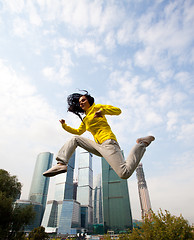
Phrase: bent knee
[124,175]
[75,138]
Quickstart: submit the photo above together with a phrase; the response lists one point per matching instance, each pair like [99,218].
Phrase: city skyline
[135,55]
[103,202]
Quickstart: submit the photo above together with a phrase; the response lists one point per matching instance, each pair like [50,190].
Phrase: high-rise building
[50,215]
[70,220]
[37,207]
[39,189]
[64,182]
[84,189]
[39,186]
[116,204]
[63,205]
[97,200]
[143,191]
[75,184]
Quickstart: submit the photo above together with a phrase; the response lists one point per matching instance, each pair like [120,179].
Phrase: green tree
[13,218]
[9,185]
[38,234]
[163,226]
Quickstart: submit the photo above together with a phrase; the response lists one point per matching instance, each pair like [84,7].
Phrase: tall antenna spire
[143,192]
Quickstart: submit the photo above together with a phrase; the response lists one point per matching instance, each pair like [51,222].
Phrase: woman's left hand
[98,114]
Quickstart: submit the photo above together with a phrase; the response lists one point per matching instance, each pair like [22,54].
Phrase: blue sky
[136,55]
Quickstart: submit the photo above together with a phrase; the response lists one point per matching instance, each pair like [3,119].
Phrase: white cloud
[110,40]
[60,72]
[127,63]
[101,58]
[28,124]
[87,47]
[20,27]
[33,15]
[185,80]
[82,15]
[95,13]
[152,118]
[64,43]
[111,17]
[48,72]
[165,97]
[164,37]
[172,120]
[16,6]
[187,133]
[59,75]
[166,75]
[125,33]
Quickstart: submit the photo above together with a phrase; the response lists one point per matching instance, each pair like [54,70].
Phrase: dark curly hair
[73,103]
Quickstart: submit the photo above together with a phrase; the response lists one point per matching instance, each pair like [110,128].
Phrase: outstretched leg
[114,157]
[66,152]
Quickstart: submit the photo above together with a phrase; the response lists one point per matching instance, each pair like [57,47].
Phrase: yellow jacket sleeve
[79,131]
[110,110]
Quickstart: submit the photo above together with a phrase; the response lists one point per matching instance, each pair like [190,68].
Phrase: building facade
[116,204]
[84,189]
[37,207]
[143,191]
[64,182]
[39,185]
[50,215]
[54,217]
[97,200]
[70,220]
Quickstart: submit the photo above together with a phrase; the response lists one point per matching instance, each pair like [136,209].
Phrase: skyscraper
[37,207]
[70,219]
[116,204]
[64,182]
[64,186]
[84,189]
[97,200]
[39,186]
[63,212]
[39,189]
[143,191]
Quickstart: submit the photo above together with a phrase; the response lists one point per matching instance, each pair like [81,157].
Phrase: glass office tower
[84,189]
[64,182]
[39,186]
[97,200]
[50,215]
[37,207]
[70,217]
[116,204]
[55,209]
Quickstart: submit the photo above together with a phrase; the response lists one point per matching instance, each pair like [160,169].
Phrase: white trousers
[109,149]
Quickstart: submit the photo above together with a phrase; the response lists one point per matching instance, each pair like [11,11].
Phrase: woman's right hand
[62,121]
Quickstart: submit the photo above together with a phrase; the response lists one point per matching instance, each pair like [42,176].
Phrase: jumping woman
[105,144]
